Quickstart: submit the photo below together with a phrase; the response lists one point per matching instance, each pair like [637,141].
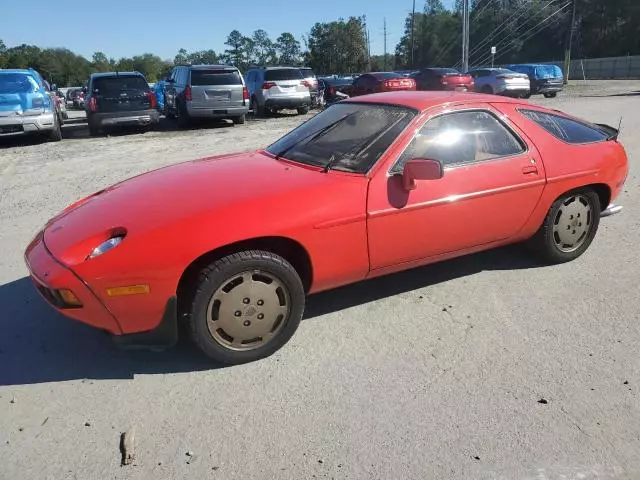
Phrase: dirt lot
[434,373]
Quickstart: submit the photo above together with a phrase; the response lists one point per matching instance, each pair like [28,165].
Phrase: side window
[564,128]
[461,138]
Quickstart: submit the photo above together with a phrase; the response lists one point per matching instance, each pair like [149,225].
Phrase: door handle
[531,169]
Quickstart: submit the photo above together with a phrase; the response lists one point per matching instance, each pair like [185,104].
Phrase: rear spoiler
[612,133]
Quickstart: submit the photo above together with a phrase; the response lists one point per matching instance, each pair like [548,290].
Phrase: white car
[500,81]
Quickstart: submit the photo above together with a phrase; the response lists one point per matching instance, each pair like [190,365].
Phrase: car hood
[228,187]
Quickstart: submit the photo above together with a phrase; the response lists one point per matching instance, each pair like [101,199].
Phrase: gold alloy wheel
[248,310]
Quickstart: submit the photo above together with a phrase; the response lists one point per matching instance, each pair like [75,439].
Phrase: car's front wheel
[246,306]
[569,227]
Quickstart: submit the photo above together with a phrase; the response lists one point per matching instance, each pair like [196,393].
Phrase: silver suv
[206,91]
[276,88]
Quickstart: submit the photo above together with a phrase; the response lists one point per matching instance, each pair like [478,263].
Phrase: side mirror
[420,169]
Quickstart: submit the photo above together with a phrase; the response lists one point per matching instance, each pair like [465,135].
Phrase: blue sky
[125,28]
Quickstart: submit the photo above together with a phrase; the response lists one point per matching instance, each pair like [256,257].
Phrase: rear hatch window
[114,86]
[215,77]
[307,73]
[17,83]
[284,74]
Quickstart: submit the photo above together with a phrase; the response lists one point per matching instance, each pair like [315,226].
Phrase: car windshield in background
[17,83]
[548,71]
[339,82]
[352,136]
[282,74]
[115,85]
[215,77]
[386,75]
[445,71]
[498,71]
[307,72]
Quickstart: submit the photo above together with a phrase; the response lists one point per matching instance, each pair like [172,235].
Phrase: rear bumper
[510,91]
[288,102]
[112,119]
[612,209]
[12,125]
[49,275]
[209,112]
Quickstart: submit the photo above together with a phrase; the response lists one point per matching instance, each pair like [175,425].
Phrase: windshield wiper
[313,136]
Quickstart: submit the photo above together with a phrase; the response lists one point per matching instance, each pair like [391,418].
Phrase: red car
[232,244]
[377,82]
[443,79]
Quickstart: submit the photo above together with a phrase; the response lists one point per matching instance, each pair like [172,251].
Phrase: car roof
[17,70]
[115,74]
[422,100]
[196,67]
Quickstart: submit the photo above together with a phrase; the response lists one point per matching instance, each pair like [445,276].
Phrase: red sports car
[232,244]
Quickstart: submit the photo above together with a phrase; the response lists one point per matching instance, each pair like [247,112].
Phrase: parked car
[117,99]
[277,88]
[331,88]
[61,105]
[376,82]
[26,107]
[312,80]
[545,79]
[443,79]
[231,244]
[72,97]
[206,91]
[501,81]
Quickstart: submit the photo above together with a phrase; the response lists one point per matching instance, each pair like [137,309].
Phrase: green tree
[181,58]
[237,45]
[338,47]
[3,55]
[264,51]
[287,49]
[100,62]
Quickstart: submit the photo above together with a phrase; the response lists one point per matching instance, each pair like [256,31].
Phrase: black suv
[119,99]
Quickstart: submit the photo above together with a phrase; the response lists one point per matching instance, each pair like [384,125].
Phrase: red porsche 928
[232,244]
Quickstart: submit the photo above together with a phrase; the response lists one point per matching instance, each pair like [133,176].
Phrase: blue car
[545,79]
[26,106]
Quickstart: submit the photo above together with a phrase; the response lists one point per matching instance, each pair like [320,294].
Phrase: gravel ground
[486,367]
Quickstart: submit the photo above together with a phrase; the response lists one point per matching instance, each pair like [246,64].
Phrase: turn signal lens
[128,290]
[69,298]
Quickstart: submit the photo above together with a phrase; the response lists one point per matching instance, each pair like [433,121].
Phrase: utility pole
[413,20]
[465,36]
[385,44]
[567,51]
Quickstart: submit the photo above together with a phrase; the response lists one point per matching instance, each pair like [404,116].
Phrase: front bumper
[49,276]
[11,125]
[612,209]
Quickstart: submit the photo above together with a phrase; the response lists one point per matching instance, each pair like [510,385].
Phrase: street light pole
[413,20]
[465,36]
[567,51]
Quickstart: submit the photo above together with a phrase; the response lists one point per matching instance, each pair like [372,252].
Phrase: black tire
[545,241]
[303,110]
[550,95]
[258,111]
[239,120]
[55,135]
[94,131]
[182,116]
[487,89]
[526,95]
[223,271]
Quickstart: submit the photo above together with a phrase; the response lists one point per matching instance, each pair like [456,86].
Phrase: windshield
[353,136]
[386,75]
[201,77]
[115,85]
[17,83]
[548,71]
[282,74]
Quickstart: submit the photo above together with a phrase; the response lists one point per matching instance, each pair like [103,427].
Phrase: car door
[361,85]
[493,179]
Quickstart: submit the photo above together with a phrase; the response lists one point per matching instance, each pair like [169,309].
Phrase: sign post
[493,55]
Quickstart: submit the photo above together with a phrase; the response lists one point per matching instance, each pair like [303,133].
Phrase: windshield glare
[17,83]
[352,135]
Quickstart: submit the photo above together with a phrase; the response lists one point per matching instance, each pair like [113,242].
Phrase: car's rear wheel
[258,111]
[569,227]
[55,135]
[239,120]
[303,110]
[550,95]
[182,116]
[246,306]
[487,89]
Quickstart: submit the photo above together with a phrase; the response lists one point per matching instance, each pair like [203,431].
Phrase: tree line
[521,30]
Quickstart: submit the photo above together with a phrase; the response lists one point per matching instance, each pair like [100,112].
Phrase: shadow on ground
[39,345]
[622,94]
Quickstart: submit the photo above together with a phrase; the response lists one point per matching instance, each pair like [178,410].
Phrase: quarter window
[461,138]
[564,128]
